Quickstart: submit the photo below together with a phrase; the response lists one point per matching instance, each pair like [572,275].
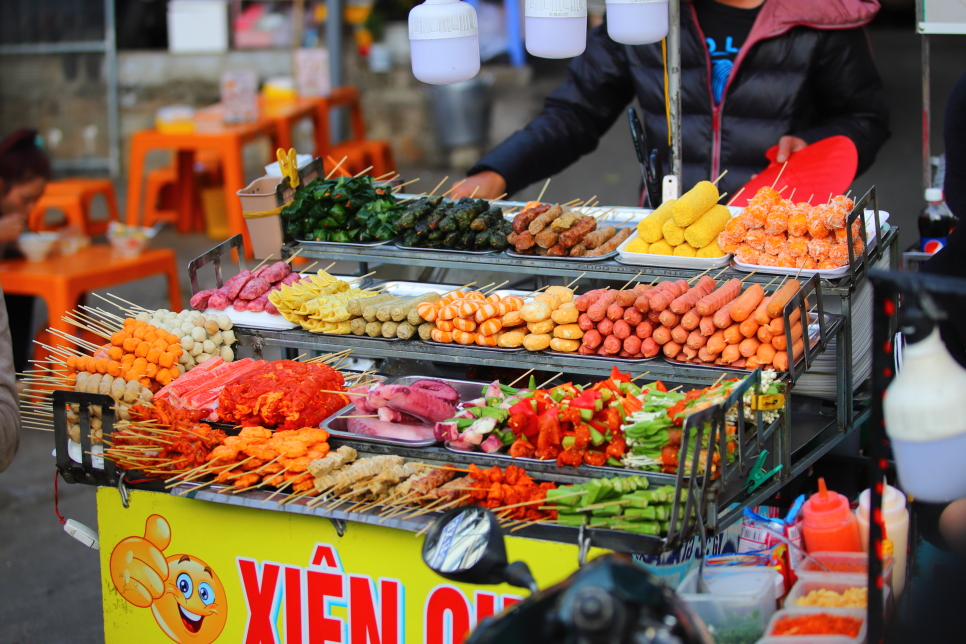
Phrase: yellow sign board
[184,570]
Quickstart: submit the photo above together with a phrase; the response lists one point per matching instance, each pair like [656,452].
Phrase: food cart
[278,570]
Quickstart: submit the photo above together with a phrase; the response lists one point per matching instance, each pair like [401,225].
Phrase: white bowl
[127,244]
[37,246]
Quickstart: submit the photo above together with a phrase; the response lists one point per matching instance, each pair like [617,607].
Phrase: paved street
[49,583]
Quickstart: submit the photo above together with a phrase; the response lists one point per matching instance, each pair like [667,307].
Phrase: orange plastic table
[284,116]
[61,280]
[226,140]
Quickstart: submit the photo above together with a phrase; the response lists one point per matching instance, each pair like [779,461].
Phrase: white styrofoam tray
[261,319]
[834,273]
[672,261]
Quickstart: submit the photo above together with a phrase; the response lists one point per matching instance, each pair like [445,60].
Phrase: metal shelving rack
[797,446]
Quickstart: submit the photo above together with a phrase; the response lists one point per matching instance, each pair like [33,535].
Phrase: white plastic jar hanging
[556,28]
[637,22]
[445,42]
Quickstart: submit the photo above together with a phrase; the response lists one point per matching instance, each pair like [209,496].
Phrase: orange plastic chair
[361,152]
[73,197]
[159,195]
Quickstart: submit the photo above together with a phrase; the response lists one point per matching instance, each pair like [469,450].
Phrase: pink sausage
[622,330]
[633,316]
[605,326]
[644,329]
[632,344]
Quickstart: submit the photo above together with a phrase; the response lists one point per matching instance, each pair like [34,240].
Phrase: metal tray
[309,244]
[369,337]
[519,459]
[335,425]
[448,250]
[402,288]
[565,258]
[813,335]
[473,346]
[575,354]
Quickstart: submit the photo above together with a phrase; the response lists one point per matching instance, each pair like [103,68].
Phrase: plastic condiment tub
[857,613]
[836,583]
[741,599]
[808,570]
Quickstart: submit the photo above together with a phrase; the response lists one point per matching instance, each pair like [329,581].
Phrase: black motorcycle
[610,600]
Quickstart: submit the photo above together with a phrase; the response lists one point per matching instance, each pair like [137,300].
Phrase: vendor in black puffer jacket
[803,73]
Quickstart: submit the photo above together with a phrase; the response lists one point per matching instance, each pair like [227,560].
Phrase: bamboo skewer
[335,168]
[440,185]
[362,173]
[631,280]
[270,255]
[403,185]
[543,190]
[720,176]
[737,194]
[520,378]
[551,380]
[784,165]
[579,277]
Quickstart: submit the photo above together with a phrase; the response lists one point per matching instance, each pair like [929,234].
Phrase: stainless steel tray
[575,354]
[448,250]
[369,337]
[402,288]
[473,346]
[312,244]
[813,336]
[336,425]
[518,460]
[565,258]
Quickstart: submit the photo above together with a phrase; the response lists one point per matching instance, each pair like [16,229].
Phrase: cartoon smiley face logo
[185,595]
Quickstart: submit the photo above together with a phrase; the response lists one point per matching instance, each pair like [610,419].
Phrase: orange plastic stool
[159,193]
[157,182]
[73,197]
[356,156]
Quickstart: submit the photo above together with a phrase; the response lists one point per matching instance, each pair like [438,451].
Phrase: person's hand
[11,226]
[487,184]
[787,146]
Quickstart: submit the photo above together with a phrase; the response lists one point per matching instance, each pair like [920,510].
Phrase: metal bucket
[461,112]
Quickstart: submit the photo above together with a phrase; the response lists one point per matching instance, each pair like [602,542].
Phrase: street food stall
[278,500]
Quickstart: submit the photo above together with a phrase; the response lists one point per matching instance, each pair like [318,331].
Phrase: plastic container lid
[435,19]
[741,598]
[934,194]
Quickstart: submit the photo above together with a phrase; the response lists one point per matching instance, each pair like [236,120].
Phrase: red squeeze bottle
[830,525]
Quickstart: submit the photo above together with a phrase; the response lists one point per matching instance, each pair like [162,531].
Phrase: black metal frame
[889,288]
[83,472]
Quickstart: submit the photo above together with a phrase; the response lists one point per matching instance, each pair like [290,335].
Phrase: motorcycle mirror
[466,545]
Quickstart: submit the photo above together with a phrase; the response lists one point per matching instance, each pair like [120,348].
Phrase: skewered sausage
[722,318]
[611,244]
[612,344]
[524,241]
[707,326]
[577,232]
[543,220]
[633,316]
[711,303]
[781,297]
[522,221]
[679,334]
[686,302]
[746,303]
[599,236]
[644,329]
